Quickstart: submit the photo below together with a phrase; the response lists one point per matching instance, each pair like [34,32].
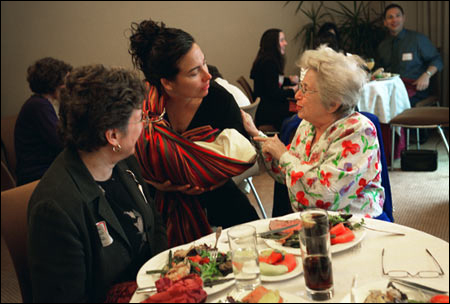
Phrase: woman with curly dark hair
[36,138]
[92,221]
[187,102]
[269,81]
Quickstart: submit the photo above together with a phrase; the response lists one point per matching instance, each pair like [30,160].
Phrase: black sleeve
[269,77]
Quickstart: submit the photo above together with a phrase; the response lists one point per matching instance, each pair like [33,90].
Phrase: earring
[117,148]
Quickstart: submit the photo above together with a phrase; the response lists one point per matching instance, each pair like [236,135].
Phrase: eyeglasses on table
[419,274]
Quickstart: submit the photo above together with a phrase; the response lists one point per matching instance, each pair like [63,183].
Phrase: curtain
[432,21]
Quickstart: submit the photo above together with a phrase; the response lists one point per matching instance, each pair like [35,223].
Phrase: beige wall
[96,32]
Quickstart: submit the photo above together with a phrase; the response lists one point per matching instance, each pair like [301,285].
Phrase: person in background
[408,53]
[91,221]
[36,137]
[238,95]
[328,34]
[176,70]
[333,161]
[269,82]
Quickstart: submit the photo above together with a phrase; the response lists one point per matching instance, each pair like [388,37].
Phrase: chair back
[251,108]
[8,124]
[15,232]
[8,181]
[247,88]
[387,207]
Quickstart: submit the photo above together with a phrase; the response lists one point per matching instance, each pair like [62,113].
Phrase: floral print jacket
[341,172]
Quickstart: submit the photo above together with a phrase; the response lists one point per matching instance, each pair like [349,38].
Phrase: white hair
[340,78]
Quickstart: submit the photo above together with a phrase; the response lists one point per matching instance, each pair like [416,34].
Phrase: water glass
[244,257]
[316,254]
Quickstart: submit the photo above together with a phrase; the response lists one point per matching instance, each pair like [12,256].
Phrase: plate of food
[384,291]
[188,259]
[385,76]
[260,294]
[348,233]
[278,265]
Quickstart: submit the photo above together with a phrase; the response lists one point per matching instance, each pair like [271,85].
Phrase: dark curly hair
[47,74]
[95,100]
[156,50]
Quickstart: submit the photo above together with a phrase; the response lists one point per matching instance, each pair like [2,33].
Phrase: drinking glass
[316,254]
[370,63]
[244,257]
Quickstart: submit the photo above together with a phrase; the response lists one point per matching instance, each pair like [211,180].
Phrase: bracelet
[429,73]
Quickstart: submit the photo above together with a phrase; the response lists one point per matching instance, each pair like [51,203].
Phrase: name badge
[103,233]
[407,57]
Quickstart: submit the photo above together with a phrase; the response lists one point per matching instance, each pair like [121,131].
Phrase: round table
[364,259]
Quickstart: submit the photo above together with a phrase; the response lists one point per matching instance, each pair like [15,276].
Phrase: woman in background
[269,82]
[92,223]
[37,142]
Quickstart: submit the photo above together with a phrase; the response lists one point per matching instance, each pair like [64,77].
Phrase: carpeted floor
[421,201]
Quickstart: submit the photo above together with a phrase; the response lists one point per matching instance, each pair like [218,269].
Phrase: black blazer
[67,260]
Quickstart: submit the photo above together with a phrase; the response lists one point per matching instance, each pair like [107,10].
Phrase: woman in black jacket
[91,221]
[269,81]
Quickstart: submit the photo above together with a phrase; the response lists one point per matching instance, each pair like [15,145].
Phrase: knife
[417,285]
[263,234]
[211,283]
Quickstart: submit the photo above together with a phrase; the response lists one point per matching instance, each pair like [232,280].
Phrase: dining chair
[15,231]
[8,181]
[247,88]
[420,117]
[251,108]
[8,124]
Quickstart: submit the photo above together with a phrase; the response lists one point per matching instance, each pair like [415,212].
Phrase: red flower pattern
[363,183]
[300,197]
[321,204]
[325,178]
[295,176]
[349,147]
[308,148]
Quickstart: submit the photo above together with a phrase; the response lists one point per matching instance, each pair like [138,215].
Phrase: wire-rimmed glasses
[304,90]
[419,274]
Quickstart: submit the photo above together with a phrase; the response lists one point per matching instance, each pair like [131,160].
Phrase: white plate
[298,270]
[387,78]
[157,262]
[287,297]
[362,292]
[359,235]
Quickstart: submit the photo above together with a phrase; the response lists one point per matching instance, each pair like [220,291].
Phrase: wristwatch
[429,73]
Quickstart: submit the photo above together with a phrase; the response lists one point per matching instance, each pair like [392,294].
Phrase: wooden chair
[8,181]
[420,117]
[247,88]
[8,124]
[15,232]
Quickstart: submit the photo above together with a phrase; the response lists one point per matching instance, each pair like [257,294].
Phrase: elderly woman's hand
[272,146]
[249,125]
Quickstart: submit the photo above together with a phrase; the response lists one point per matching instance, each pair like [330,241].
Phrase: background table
[386,99]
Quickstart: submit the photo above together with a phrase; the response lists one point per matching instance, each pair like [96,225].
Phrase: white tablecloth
[384,98]
[364,259]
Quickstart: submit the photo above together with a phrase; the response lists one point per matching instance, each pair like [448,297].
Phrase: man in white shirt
[238,95]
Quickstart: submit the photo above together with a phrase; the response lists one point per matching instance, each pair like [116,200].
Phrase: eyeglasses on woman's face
[303,88]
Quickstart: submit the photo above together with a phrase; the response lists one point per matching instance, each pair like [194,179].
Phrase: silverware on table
[417,286]
[378,230]
[148,289]
[352,289]
[262,234]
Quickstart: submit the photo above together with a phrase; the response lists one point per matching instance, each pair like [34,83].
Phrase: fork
[214,252]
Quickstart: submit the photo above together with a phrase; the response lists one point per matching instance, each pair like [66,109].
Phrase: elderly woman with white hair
[333,161]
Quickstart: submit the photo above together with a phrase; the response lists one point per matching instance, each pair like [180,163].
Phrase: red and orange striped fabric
[163,155]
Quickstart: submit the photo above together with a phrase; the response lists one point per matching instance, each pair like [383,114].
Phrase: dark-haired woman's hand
[168,187]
